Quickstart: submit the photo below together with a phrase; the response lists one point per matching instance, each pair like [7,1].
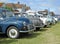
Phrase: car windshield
[7,13]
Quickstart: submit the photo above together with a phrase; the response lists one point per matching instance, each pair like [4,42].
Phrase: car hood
[49,19]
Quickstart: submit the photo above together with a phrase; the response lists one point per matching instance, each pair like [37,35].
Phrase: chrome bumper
[27,31]
[47,23]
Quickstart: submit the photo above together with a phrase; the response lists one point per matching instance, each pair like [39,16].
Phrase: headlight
[24,23]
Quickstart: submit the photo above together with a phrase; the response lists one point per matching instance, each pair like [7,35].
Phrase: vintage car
[46,23]
[51,19]
[47,19]
[35,20]
[55,18]
[12,26]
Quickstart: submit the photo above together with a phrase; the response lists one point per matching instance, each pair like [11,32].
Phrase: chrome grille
[30,26]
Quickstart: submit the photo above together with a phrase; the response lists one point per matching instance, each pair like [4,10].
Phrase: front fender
[7,25]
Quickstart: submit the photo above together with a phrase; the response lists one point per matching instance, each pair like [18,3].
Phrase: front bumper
[26,31]
[47,23]
[28,28]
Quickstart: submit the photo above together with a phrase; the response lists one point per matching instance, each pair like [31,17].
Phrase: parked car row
[13,24]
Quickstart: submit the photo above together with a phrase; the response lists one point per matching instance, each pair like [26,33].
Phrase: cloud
[3,0]
[57,10]
[46,5]
[39,4]
[8,1]
[30,3]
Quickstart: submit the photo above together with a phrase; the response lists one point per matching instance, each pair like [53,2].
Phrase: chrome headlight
[24,23]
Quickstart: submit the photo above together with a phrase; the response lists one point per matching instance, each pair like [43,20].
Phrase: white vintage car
[44,19]
[55,18]
[40,16]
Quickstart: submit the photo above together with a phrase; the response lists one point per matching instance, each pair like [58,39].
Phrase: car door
[1,21]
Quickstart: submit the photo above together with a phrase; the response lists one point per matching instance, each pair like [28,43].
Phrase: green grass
[44,36]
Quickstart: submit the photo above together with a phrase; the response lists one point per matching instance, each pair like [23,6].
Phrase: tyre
[37,28]
[45,26]
[12,32]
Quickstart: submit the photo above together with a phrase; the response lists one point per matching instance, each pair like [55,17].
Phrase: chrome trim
[27,31]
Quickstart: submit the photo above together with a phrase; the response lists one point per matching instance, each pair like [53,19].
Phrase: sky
[37,5]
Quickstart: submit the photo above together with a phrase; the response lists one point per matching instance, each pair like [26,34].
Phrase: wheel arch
[10,26]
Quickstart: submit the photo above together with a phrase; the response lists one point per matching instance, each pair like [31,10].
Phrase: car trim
[26,31]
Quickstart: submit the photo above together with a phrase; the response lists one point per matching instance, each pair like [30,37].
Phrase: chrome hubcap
[12,33]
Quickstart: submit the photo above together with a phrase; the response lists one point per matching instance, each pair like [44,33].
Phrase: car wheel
[37,28]
[12,32]
[45,26]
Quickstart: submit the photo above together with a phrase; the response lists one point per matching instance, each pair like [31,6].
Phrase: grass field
[43,36]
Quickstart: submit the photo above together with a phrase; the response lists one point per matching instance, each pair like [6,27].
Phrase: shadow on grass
[5,40]
[33,35]
[43,29]
[29,36]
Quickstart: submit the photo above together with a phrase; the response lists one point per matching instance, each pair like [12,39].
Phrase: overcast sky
[52,5]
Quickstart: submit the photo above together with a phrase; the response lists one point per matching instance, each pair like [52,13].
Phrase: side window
[7,13]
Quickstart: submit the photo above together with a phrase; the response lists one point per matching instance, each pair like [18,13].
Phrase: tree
[8,8]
